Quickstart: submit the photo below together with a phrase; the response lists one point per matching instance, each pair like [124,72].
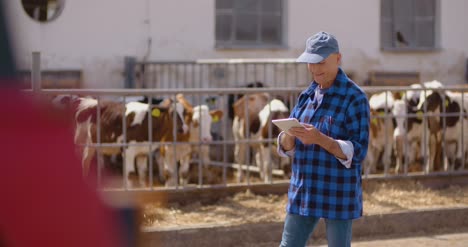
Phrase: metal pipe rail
[223,146]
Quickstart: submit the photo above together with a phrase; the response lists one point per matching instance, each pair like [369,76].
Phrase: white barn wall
[87,35]
[96,35]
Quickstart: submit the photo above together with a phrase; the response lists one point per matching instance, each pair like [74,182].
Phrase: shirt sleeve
[357,124]
[348,149]
[280,149]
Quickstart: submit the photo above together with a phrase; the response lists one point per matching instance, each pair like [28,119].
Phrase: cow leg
[88,155]
[142,166]
[453,155]
[261,163]
[434,153]
[205,155]
[415,156]
[432,149]
[170,167]
[184,169]
[240,149]
[285,166]
[464,146]
[266,163]
[239,154]
[387,144]
[369,162]
[129,165]
[387,155]
[459,151]
[160,161]
[399,152]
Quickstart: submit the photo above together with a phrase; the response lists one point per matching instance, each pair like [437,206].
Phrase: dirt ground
[247,207]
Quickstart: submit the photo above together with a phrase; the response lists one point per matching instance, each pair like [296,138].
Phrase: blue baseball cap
[319,47]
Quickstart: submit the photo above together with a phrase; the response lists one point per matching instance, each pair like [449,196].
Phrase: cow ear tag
[380,114]
[446,103]
[215,119]
[419,115]
[156,112]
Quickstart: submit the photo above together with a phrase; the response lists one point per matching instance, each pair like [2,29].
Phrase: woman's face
[324,73]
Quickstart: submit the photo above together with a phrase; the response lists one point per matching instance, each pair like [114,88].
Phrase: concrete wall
[96,35]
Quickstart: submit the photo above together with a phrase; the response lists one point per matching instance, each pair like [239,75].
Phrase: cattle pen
[415,130]
[222,144]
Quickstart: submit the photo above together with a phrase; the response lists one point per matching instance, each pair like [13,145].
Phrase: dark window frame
[234,15]
[405,25]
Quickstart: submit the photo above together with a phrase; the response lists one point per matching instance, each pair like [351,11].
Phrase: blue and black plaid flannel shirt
[320,185]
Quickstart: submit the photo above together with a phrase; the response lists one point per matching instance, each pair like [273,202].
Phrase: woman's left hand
[307,135]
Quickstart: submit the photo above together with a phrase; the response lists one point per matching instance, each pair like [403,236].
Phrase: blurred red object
[44,199]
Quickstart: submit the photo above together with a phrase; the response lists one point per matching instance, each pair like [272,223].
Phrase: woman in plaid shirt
[328,151]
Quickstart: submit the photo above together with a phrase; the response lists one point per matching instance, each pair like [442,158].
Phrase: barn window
[249,23]
[408,25]
[43,10]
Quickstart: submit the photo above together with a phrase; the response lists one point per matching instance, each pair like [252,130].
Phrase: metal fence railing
[216,73]
[221,156]
[222,164]
[440,145]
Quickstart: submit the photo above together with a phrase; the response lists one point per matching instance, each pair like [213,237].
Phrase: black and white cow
[409,128]
[252,120]
[445,128]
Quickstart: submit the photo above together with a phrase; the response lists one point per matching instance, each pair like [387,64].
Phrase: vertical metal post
[462,120]
[269,158]
[129,70]
[150,140]
[36,71]
[275,78]
[386,119]
[285,68]
[124,145]
[98,141]
[224,131]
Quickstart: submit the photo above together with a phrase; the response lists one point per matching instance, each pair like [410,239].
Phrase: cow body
[193,144]
[252,120]
[136,117]
[381,131]
[445,129]
[408,134]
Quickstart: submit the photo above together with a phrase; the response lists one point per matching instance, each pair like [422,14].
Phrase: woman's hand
[287,141]
[307,135]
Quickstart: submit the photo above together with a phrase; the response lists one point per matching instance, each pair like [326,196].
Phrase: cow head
[177,109]
[66,101]
[248,106]
[440,102]
[202,118]
[275,109]
[166,119]
[199,118]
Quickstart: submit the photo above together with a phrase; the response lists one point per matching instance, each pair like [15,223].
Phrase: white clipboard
[286,123]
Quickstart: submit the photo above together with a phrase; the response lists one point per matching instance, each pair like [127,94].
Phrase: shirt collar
[338,87]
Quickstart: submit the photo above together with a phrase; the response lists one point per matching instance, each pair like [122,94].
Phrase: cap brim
[309,58]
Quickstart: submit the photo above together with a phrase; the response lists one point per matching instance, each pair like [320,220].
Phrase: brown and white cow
[381,131]
[137,130]
[194,143]
[252,121]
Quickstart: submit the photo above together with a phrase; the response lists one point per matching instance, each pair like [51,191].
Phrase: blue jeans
[298,229]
